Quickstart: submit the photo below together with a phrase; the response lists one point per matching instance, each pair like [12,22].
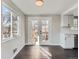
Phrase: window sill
[6,40]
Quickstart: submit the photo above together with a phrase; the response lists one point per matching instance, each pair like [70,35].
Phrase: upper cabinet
[70,21]
[67,21]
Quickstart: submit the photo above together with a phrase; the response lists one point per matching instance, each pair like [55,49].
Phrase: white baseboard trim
[68,48]
[28,44]
[49,44]
[17,52]
[44,44]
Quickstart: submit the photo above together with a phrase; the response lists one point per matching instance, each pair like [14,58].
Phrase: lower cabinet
[69,41]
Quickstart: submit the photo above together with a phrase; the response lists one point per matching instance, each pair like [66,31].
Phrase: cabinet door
[70,20]
[65,21]
[76,41]
[69,42]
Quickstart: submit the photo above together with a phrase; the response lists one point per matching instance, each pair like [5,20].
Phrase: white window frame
[11,12]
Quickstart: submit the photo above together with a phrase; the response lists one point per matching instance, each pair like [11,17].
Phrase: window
[9,23]
[14,24]
[6,22]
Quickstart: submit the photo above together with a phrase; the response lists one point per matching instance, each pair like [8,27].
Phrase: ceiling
[73,12]
[49,7]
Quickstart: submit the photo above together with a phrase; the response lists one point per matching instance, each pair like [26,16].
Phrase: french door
[39,31]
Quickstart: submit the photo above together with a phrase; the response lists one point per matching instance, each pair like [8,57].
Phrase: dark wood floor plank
[33,52]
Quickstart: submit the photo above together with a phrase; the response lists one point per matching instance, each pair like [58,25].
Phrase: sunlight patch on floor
[46,52]
[39,49]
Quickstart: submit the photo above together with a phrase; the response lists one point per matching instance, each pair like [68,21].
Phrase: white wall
[54,30]
[19,42]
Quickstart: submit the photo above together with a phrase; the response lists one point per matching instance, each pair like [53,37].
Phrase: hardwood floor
[57,52]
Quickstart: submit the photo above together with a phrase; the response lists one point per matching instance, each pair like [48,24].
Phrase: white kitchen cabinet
[70,20]
[69,41]
[67,21]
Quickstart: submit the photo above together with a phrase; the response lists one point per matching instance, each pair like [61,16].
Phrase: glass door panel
[45,31]
[35,31]
[39,31]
